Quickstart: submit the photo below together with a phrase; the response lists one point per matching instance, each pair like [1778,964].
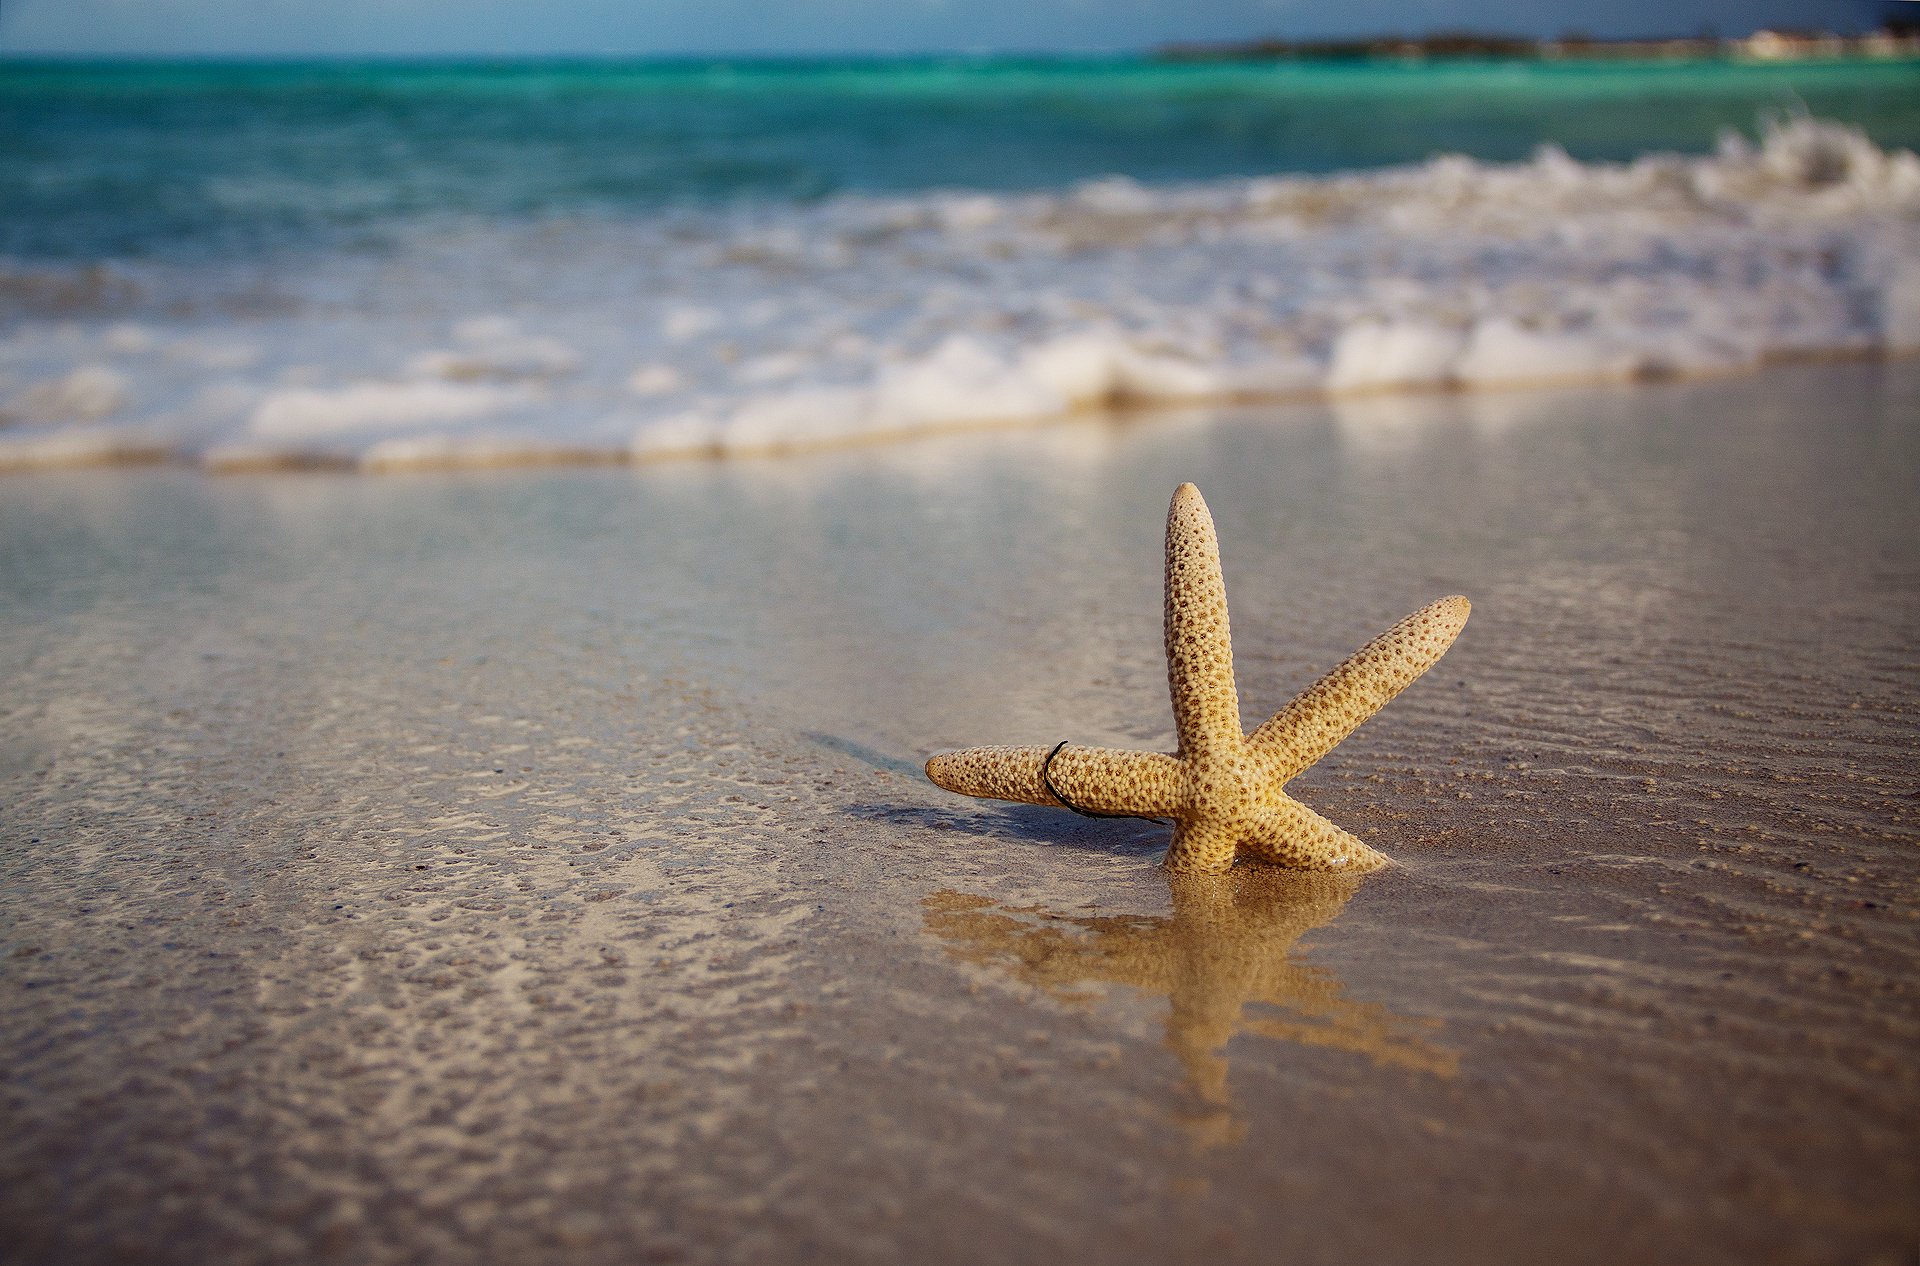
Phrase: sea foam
[767,328]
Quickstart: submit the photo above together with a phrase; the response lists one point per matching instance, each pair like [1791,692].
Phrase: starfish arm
[1333,707]
[1287,833]
[1093,779]
[1206,707]
[1204,847]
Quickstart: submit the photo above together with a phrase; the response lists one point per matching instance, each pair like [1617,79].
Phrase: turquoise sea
[132,159]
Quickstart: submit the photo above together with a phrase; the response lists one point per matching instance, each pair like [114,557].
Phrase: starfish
[1224,789]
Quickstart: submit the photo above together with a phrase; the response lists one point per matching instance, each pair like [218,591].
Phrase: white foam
[681,323]
[779,327]
[1373,354]
[690,432]
[1898,314]
[1503,352]
[302,413]
[84,394]
[494,347]
[215,354]
[655,380]
[128,339]
[961,380]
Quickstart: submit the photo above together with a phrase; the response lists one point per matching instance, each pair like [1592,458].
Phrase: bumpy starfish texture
[1224,788]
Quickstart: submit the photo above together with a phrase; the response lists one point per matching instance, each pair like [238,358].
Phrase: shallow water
[536,864]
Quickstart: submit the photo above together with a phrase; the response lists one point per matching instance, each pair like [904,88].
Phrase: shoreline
[482,456]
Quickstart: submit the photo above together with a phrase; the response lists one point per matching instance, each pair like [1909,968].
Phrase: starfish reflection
[1227,945]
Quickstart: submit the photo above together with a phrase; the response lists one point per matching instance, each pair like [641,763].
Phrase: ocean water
[396,264]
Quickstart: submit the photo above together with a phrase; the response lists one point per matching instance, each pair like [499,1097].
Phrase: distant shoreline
[1762,46]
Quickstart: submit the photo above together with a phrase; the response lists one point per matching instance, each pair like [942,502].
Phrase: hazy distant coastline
[1895,40]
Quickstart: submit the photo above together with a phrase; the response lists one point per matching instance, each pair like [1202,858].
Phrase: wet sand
[535,865]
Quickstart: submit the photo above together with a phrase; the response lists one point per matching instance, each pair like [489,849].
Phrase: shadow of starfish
[1226,946]
[1119,838]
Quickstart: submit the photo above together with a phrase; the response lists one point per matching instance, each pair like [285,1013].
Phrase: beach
[536,864]
[487,548]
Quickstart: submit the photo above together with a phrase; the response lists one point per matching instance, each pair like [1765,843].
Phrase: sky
[545,27]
